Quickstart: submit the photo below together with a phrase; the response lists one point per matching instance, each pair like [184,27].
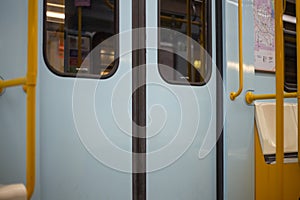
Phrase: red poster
[82,2]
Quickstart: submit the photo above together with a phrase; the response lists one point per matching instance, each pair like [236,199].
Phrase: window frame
[80,75]
[208,49]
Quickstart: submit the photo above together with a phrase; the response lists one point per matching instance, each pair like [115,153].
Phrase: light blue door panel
[239,122]
[71,168]
[181,160]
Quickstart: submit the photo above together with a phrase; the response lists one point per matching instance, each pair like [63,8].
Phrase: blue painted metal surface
[188,177]
[13,59]
[239,120]
[66,169]
[69,169]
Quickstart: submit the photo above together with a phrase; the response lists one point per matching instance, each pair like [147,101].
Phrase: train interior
[209,87]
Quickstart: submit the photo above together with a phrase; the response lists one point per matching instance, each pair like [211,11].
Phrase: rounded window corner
[67,44]
[195,22]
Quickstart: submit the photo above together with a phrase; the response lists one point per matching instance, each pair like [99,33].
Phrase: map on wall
[264,35]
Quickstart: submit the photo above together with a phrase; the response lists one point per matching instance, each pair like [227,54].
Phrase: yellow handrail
[279,95]
[79,42]
[109,4]
[178,20]
[12,82]
[30,82]
[250,97]
[189,33]
[298,70]
[31,94]
[233,95]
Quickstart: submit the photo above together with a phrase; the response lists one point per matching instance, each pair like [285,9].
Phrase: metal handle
[12,83]
[250,97]
[233,95]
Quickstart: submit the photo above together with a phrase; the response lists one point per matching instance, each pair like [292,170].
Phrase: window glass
[290,51]
[72,29]
[192,18]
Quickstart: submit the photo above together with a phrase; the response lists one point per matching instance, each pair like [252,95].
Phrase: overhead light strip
[289,18]
[57,15]
[55,21]
[56,5]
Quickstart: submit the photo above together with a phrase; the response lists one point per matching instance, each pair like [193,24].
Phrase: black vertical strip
[138,101]
[219,62]
[208,16]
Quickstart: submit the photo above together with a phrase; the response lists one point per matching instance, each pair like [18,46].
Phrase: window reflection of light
[103,73]
[197,64]
[57,15]
[289,18]
[56,5]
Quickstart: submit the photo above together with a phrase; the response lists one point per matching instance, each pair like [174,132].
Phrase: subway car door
[84,79]
[181,101]
[129,118]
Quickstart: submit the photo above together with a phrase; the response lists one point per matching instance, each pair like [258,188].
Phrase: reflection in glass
[190,17]
[72,32]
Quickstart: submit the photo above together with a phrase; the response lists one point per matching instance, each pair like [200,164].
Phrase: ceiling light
[57,15]
[56,5]
[289,18]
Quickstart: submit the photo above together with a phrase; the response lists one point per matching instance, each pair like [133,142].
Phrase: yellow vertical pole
[79,58]
[241,62]
[31,95]
[298,70]
[279,95]
[189,33]
[202,23]
[202,40]
[233,95]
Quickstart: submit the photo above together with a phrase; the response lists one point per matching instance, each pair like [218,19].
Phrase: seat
[13,192]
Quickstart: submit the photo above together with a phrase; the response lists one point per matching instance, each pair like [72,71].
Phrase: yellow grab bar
[250,97]
[233,95]
[279,95]
[109,4]
[175,19]
[189,33]
[79,42]
[31,94]
[298,70]
[30,82]
[12,82]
